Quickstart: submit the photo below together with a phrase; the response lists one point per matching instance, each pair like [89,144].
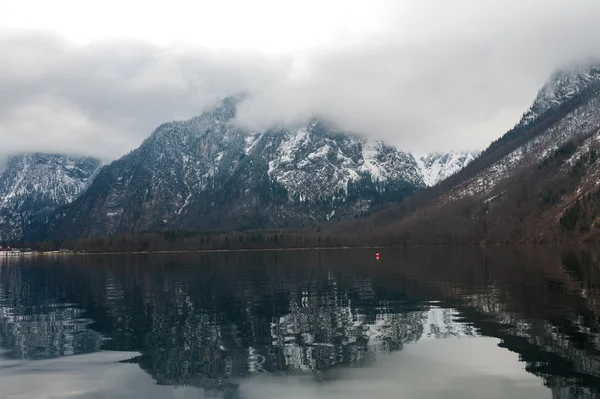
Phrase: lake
[475,322]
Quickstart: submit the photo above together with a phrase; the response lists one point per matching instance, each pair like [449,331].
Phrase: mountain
[562,87]
[538,182]
[437,166]
[206,173]
[33,186]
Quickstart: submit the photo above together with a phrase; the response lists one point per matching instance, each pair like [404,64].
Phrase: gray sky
[96,78]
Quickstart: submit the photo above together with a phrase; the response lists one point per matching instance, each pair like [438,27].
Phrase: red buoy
[377,256]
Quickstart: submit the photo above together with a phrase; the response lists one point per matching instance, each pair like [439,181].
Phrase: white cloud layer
[426,75]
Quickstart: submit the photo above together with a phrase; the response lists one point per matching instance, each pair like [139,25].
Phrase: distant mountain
[437,166]
[206,173]
[32,186]
[539,182]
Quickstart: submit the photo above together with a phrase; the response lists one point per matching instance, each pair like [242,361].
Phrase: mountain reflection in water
[306,324]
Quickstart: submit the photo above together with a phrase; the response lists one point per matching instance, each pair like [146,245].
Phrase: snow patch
[370,152]
[436,167]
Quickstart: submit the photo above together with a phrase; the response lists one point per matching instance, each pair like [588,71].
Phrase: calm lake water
[420,323]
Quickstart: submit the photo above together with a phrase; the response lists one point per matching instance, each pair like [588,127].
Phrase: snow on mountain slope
[576,124]
[539,182]
[562,86]
[208,173]
[312,164]
[436,167]
[33,185]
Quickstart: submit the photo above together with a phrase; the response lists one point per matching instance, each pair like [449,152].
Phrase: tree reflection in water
[209,320]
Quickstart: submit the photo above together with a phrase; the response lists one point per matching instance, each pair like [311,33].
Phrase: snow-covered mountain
[437,166]
[567,111]
[32,186]
[208,173]
[537,182]
[563,86]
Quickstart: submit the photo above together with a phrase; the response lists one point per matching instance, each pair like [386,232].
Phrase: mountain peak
[563,85]
[52,161]
[226,109]
[33,185]
[206,173]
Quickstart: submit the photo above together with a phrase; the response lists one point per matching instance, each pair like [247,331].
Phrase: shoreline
[195,251]
[198,251]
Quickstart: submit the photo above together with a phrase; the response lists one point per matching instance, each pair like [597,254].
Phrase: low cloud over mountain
[430,76]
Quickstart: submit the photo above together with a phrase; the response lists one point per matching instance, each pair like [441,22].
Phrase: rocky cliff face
[562,87]
[33,186]
[436,167]
[206,173]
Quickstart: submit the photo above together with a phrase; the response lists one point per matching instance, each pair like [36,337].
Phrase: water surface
[419,323]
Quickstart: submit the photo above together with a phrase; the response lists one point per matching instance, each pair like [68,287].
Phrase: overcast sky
[96,77]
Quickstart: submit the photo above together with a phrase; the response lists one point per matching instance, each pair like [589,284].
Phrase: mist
[434,76]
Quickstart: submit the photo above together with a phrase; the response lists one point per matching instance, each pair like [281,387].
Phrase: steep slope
[32,186]
[536,183]
[437,166]
[562,87]
[208,174]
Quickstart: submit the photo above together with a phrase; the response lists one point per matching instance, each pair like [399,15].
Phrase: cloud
[461,80]
[104,99]
[435,75]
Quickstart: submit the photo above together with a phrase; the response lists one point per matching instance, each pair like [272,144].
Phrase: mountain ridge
[539,182]
[205,173]
[562,86]
[33,186]
[527,186]
[370,164]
